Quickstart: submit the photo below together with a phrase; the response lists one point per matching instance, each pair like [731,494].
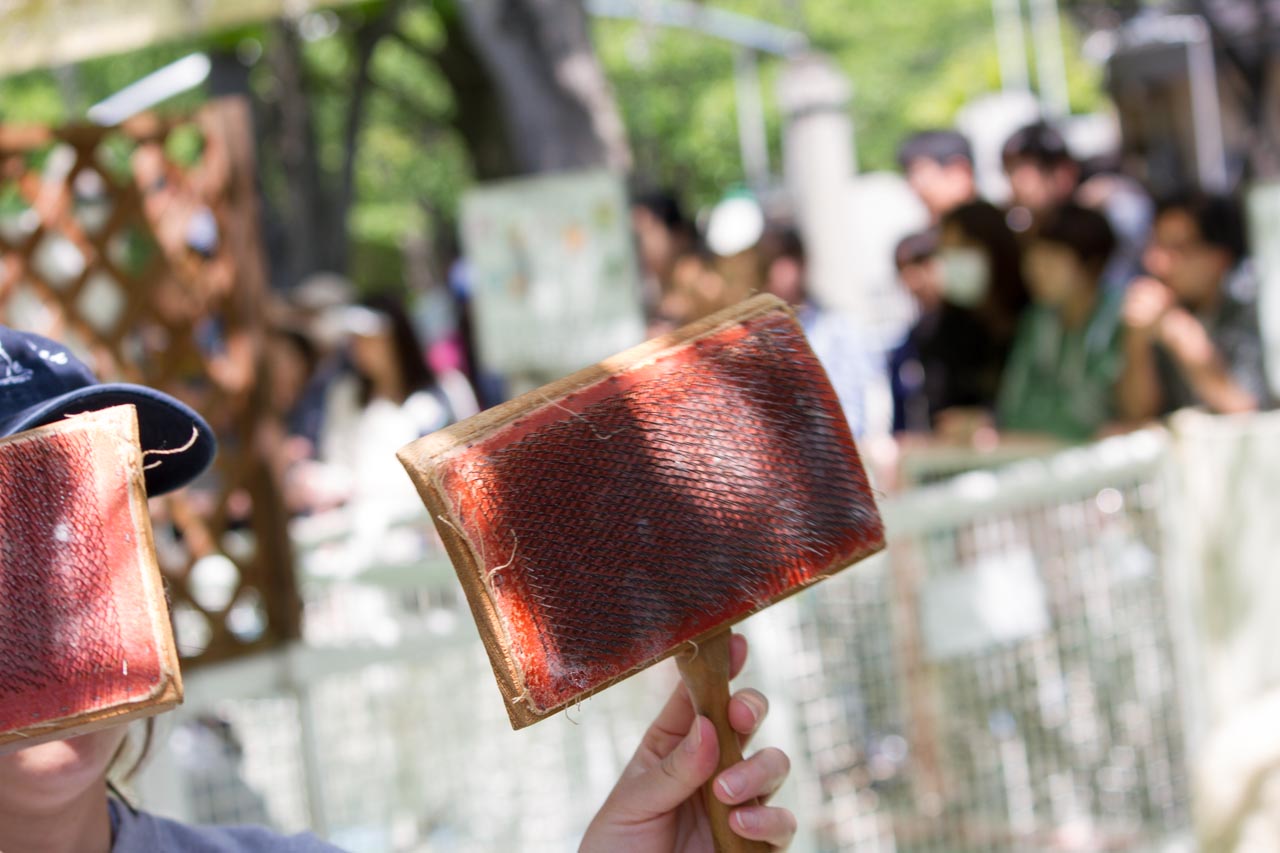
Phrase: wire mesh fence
[1001,679]
[1004,680]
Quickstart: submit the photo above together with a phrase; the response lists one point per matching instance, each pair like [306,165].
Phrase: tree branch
[426,54]
[367,38]
[425,119]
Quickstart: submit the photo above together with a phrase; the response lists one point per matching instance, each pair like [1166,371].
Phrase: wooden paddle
[638,508]
[85,640]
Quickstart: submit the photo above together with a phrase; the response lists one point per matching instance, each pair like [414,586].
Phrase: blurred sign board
[553,268]
[1000,599]
[44,34]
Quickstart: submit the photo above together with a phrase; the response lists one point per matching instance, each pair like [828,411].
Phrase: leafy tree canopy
[911,65]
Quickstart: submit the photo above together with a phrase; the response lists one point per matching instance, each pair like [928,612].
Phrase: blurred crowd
[1078,308]
[352,376]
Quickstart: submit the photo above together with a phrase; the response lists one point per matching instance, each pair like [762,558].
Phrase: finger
[669,728]
[656,789]
[677,715]
[747,710]
[737,654]
[758,776]
[671,725]
[772,825]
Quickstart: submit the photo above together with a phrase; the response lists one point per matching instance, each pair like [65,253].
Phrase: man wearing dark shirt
[1193,337]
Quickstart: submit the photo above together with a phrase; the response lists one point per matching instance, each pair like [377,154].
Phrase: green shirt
[1062,381]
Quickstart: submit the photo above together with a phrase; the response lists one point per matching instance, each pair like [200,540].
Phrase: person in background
[315,306]
[1042,175]
[434,310]
[1061,375]
[980,261]
[938,165]
[948,359]
[845,350]
[292,358]
[389,398]
[61,797]
[1192,333]
[664,237]
[1105,187]
[916,259]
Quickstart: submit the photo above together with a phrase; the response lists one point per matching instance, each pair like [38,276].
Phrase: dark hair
[114,766]
[1107,163]
[1218,219]
[409,353]
[939,146]
[789,244]
[985,224]
[914,248]
[665,206]
[1085,232]
[301,343]
[1038,143]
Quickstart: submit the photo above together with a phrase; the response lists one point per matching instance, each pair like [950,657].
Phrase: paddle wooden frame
[117,456]
[424,460]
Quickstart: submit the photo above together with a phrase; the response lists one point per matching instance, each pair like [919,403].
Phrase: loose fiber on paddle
[84,635]
[649,502]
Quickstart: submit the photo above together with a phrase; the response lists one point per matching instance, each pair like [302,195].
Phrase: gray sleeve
[1240,343]
[140,832]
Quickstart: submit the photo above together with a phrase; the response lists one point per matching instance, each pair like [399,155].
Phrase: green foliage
[676,93]
[44,97]
[911,66]
[185,145]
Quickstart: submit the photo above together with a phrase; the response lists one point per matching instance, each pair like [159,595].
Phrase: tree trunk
[558,107]
[304,208]
[367,38]
[479,115]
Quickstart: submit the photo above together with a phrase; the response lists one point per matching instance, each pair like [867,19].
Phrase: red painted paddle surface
[662,502]
[75,632]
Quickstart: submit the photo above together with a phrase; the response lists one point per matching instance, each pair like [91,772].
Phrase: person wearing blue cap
[56,797]
[42,382]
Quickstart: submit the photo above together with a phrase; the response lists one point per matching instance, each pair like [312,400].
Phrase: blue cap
[42,382]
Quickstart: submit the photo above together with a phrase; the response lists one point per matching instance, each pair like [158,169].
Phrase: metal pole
[706,19]
[752,137]
[309,744]
[818,169]
[1206,111]
[1051,65]
[1011,45]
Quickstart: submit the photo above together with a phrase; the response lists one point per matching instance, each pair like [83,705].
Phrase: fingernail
[731,782]
[747,820]
[755,712]
[694,738]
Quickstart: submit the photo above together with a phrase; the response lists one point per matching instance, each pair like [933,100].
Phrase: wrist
[1138,338]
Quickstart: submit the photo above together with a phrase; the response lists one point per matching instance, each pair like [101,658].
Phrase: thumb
[662,787]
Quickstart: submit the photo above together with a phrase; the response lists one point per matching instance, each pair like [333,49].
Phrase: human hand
[656,806]
[972,426]
[1145,305]
[1186,339]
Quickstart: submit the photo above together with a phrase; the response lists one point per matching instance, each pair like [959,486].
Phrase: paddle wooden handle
[706,674]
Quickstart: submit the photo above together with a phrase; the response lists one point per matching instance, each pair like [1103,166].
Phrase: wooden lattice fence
[138,246]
